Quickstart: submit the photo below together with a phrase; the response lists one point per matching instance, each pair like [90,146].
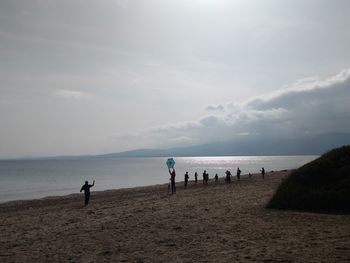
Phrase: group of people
[229,175]
[172,184]
[205,177]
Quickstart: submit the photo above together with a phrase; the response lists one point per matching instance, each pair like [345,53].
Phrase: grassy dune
[323,184]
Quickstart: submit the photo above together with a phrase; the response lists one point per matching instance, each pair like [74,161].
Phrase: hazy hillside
[271,146]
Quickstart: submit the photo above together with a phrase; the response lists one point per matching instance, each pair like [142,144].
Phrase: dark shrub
[323,184]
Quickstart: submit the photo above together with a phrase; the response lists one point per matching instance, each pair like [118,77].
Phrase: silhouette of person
[263,172]
[86,187]
[186,179]
[238,174]
[195,177]
[216,178]
[172,179]
[205,177]
[228,177]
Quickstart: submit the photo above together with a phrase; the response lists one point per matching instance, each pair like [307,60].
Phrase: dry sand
[213,223]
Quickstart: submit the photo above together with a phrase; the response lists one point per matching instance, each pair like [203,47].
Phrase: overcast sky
[90,77]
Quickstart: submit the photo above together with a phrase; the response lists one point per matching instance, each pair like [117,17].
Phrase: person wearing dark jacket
[172,179]
[186,179]
[239,173]
[263,173]
[86,187]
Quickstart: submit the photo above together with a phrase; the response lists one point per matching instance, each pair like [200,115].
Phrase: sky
[93,77]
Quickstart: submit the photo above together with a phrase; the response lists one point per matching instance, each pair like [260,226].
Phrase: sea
[32,179]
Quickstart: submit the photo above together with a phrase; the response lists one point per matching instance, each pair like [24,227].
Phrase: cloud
[72,94]
[182,139]
[305,92]
[308,107]
[218,108]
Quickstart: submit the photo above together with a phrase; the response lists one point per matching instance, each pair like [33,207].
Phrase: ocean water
[28,179]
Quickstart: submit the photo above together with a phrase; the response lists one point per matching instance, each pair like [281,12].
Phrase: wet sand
[211,223]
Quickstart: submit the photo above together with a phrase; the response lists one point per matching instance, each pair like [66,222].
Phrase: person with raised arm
[172,179]
[86,187]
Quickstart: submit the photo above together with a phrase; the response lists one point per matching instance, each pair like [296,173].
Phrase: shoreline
[178,184]
[203,223]
[30,180]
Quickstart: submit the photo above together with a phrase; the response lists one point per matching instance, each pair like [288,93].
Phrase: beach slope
[204,223]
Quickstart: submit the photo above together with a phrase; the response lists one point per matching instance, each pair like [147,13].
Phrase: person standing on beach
[186,179]
[195,177]
[216,178]
[263,173]
[228,176]
[172,179]
[238,174]
[205,177]
[86,187]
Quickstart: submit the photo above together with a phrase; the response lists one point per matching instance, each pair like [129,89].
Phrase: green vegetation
[323,184]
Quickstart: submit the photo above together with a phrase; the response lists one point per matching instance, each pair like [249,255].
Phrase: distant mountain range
[316,145]
[269,146]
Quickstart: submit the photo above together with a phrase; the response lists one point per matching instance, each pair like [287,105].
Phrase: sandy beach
[204,223]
